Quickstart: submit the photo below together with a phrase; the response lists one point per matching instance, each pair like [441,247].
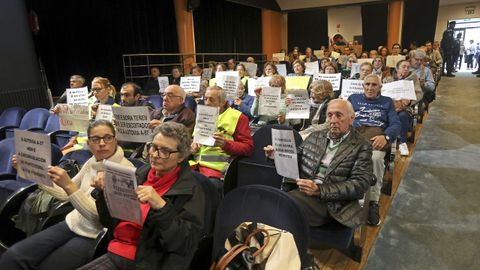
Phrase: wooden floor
[333,260]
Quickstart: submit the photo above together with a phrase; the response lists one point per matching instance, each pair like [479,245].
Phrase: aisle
[434,220]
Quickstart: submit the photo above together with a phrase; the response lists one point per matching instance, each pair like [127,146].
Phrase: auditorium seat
[10,119]
[156,100]
[33,120]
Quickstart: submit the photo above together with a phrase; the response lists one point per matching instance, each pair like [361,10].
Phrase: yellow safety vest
[215,157]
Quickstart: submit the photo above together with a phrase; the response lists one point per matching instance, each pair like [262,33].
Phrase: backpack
[257,246]
[35,209]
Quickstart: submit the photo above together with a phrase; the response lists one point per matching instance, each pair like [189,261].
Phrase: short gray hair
[179,133]
[78,78]
[345,102]
[419,53]
[222,96]
[373,75]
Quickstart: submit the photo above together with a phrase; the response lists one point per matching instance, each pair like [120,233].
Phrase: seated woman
[172,206]
[365,69]
[218,67]
[347,68]
[298,68]
[275,81]
[321,92]
[69,244]
[242,73]
[269,69]
[377,66]
[323,62]
[243,102]
[331,68]
[403,107]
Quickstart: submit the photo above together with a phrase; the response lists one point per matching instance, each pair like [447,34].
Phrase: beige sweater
[83,220]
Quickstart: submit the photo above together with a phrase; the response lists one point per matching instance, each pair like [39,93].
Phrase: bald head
[173,98]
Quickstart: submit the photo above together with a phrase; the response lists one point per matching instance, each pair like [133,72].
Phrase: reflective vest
[215,157]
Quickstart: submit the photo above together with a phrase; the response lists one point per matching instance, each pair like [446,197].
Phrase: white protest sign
[34,155]
[207,74]
[311,68]
[190,83]
[279,56]
[334,79]
[120,196]
[299,108]
[230,86]
[285,153]
[318,53]
[364,60]
[403,89]
[77,96]
[73,117]
[355,69]
[251,68]
[269,102]
[335,55]
[132,124]
[255,83]
[282,69]
[162,84]
[104,112]
[220,74]
[351,87]
[205,125]
[392,60]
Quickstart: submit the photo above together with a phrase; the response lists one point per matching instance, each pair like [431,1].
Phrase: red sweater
[126,234]
[242,145]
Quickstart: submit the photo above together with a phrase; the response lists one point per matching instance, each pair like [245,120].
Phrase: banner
[132,124]
[34,155]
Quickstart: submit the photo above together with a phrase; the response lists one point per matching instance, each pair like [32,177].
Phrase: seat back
[35,119]
[264,204]
[212,201]
[263,137]
[80,156]
[53,123]
[12,117]
[191,103]
[136,162]
[157,100]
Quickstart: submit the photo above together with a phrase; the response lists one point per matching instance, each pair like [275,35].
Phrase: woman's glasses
[162,152]
[97,139]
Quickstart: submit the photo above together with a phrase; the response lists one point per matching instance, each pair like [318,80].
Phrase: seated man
[151,86]
[335,169]
[377,120]
[424,75]
[232,139]
[76,81]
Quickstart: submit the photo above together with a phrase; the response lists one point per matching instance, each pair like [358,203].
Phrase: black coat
[170,235]
[347,178]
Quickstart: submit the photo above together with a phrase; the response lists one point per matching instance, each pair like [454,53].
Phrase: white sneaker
[403,147]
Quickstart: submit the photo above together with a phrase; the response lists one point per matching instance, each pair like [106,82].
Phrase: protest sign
[205,125]
[392,60]
[255,83]
[230,86]
[311,68]
[77,96]
[318,54]
[403,89]
[351,87]
[207,74]
[279,56]
[120,195]
[297,82]
[104,112]
[282,69]
[269,102]
[299,107]
[73,117]
[34,155]
[132,124]
[355,69]
[335,55]
[285,153]
[334,79]
[162,84]
[251,68]
[190,83]
[364,60]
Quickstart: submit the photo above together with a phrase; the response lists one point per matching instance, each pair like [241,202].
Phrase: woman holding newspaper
[172,206]
[69,244]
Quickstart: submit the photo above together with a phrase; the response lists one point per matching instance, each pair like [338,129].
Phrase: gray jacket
[347,178]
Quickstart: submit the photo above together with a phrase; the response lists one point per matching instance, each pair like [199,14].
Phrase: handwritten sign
[132,124]
[269,102]
[351,87]
[73,117]
[251,68]
[120,196]
[311,68]
[33,151]
[299,107]
[297,82]
[403,89]
[205,125]
[104,112]
[190,83]
[334,79]
[230,86]
[392,60]
[285,153]
[255,83]
[162,84]
[77,96]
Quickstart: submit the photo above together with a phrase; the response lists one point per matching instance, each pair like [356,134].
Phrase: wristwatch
[387,138]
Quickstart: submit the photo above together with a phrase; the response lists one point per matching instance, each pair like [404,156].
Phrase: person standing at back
[447,45]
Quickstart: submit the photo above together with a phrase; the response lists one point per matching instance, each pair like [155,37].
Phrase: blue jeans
[57,248]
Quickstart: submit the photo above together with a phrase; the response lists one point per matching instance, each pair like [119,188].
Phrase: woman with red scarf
[172,205]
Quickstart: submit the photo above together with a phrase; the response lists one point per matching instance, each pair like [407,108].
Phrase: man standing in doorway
[447,46]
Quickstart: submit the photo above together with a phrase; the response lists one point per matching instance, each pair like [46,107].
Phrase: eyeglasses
[161,151]
[97,139]
[169,95]
[96,90]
